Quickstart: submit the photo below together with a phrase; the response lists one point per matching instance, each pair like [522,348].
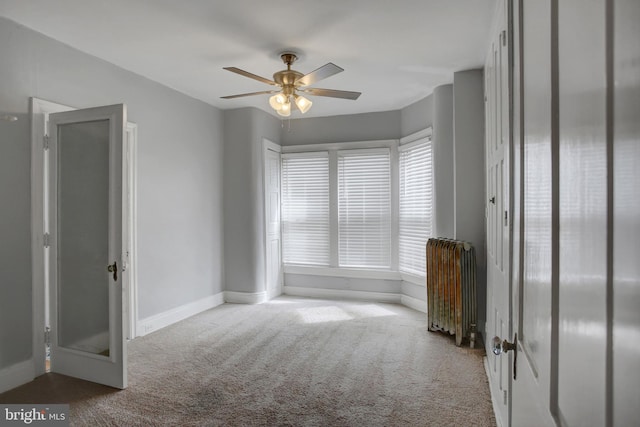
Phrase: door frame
[39,111]
[268,145]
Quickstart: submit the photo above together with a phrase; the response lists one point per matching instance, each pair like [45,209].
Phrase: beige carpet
[289,362]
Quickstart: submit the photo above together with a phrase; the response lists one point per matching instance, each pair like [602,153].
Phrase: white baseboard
[169,317]
[342,294]
[245,297]
[16,375]
[415,303]
[494,393]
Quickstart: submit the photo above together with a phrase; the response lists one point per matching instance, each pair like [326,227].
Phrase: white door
[86,216]
[533,225]
[272,215]
[497,146]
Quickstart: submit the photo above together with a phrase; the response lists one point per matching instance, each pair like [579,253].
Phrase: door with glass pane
[86,244]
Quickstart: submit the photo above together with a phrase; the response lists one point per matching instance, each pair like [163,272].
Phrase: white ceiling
[394,52]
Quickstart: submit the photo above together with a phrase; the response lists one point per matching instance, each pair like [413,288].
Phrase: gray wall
[443,161]
[348,128]
[244,131]
[417,116]
[468,169]
[15,201]
[180,152]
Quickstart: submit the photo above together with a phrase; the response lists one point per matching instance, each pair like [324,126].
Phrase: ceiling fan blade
[250,75]
[327,70]
[345,94]
[249,94]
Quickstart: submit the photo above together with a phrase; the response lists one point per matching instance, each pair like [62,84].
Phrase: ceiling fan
[290,82]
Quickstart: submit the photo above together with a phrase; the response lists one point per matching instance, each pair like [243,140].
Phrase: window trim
[415,137]
[338,146]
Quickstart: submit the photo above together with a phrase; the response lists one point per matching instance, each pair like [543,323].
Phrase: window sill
[412,278]
[353,273]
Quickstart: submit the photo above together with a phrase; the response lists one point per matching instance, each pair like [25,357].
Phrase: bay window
[358,206]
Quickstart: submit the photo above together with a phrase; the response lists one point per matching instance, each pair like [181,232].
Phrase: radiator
[451,288]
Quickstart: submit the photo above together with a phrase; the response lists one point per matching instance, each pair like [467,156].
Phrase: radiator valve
[472,336]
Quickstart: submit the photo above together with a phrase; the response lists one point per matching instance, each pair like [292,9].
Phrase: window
[305,208]
[358,209]
[364,208]
[416,205]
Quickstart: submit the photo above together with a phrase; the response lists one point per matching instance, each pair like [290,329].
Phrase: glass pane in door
[83,233]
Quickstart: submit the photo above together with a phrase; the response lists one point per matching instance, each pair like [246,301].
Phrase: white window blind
[305,208]
[364,208]
[416,205]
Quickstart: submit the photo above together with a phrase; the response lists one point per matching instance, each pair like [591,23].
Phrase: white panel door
[86,216]
[533,230]
[498,236]
[579,298]
[272,214]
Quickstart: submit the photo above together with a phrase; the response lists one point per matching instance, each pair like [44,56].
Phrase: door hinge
[47,335]
[46,240]
[45,142]
[506,218]
[503,36]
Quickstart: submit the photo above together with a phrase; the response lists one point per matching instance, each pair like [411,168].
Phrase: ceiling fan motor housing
[287,78]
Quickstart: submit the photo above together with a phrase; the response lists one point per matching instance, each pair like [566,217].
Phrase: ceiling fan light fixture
[277,100]
[303,103]
[285,109]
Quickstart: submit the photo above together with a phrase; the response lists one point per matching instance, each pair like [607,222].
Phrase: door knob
[499,346]
[493,200]
[113,268]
